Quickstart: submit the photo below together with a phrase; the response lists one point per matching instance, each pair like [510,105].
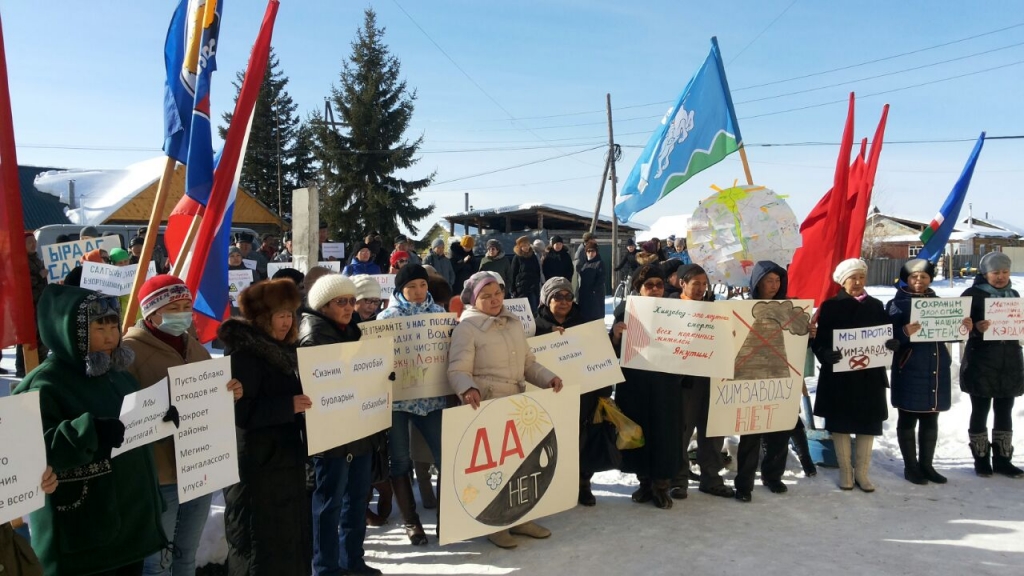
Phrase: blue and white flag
[936,235]
[696,133]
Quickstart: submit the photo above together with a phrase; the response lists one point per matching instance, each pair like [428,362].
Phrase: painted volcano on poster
[508,461]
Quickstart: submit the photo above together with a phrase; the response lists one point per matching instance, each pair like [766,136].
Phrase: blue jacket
[920,370]
[399,306]
[355,267]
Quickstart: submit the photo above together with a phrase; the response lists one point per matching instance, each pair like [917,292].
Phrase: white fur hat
[328,288]
[848,268]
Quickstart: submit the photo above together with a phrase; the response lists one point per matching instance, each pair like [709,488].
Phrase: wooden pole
[746,165]
[193,230]
[152,232]
[611,175]
[31,355]
[600,196]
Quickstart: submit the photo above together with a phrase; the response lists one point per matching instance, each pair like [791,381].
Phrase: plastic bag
[630,435]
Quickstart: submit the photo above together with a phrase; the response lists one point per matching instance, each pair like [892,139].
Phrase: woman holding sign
[992,373]
[490,358]
[343,473]
[267,514]
[654,400]
[851,402]
[920,376]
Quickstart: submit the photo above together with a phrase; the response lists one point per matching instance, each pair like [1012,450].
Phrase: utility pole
[613,152]
[277,115]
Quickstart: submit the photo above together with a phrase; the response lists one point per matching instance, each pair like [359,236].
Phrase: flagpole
[746,165]
[152,232]
[193,229]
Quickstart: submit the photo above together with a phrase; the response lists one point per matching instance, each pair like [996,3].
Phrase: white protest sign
[238,280]
[387,284]
[520,307]
[108,279]
[250,264]
[770,338]
[862,348]
[513,460]
[142,414]
[334,250]
[22,456]
[205,448]
[942,319]
[350,389]
[62,258]
[274,267]
[421,345]
[581,356]
[1006,317]
[678,337]
[333,266]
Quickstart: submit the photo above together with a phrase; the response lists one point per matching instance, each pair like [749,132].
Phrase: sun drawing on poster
[529,420]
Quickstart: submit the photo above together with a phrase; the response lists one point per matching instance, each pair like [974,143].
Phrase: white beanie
[848,268]
[367,288]
[328,288]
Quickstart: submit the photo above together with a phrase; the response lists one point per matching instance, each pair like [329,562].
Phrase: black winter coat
[990,368]
[627,264]
[590,295]
[920,370]
[267,515]
[463,268]
[315,329]
[857,397]
[525,274]
[558,264]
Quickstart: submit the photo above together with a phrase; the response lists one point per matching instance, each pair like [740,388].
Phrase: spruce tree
[273,117]
[363,194]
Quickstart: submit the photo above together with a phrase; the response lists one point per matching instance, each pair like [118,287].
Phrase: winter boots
[642,494]
[426,487]
[798,439]
[659,494]
[841,442]
[1002,451]
[863,465]
[927,441]
[982,451]
[586,496]
[908,446]
[407,507]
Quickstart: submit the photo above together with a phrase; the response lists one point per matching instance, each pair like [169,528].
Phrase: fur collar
[241,336]
[523,250]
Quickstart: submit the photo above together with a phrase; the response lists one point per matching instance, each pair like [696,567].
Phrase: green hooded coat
[105,512]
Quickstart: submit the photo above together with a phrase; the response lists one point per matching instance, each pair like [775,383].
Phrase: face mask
[175,323]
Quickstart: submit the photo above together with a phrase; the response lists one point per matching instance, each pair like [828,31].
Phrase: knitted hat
[848,268]
[328,288]
[493,243]
[89,231]
[538,245]
[554,286]
[994,261]
[650,247]
[398,255]
[917,265]
[119,255]
[437,242]
[407,274]
[476,283]
[234,250]
[556,239]
[467,242]
[161,290]
[631,242]
[367,288]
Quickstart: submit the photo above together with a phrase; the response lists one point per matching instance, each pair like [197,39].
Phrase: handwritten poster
[275,267]
[22,456]
[582,356]
[142,414]
[333,250]
[350,389]
[62,258]
[862,348]
[521,308]
[108,279]
[678,337]
[942,319]
[1007,318]
[333,265]
[513,460]
[421,345]
[205,448]
[238,280]
[768,372]
[387,284]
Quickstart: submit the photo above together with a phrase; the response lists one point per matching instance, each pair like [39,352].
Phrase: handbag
[597,447]
[380,462]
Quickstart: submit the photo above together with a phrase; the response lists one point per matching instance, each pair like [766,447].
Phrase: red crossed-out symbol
[859,362]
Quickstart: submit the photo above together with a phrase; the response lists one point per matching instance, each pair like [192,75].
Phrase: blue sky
[87,79]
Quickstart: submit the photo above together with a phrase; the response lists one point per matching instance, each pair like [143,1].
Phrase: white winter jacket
[490,353]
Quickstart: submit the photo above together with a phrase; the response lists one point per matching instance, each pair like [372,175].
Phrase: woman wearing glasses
[343,473]
[654,401]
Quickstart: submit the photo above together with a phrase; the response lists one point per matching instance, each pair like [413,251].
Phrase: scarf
[1005,292]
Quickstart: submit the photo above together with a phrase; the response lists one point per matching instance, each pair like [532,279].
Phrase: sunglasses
[654,284]
[563,297]
[342,302]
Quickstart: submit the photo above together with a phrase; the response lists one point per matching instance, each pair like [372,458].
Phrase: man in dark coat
[558,262]
[525,273]
[463,262]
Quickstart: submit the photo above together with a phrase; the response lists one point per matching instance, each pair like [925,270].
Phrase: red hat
[161,290]
[398,255]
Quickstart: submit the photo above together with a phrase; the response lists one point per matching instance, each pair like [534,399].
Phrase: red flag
[863,189]
[810,274]
[17,315]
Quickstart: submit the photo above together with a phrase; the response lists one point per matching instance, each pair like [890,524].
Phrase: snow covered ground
[970,525]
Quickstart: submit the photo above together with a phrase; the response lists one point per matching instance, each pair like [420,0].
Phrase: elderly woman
[920,376]
[992,372]
[654,400]
[343,473]
[267,514]
[592,283]
[851,402]
[479,366]
[557,312]
[494,260]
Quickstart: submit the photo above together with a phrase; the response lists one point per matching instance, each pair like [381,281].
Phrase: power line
[507,168]
[770,24]
[521,184]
